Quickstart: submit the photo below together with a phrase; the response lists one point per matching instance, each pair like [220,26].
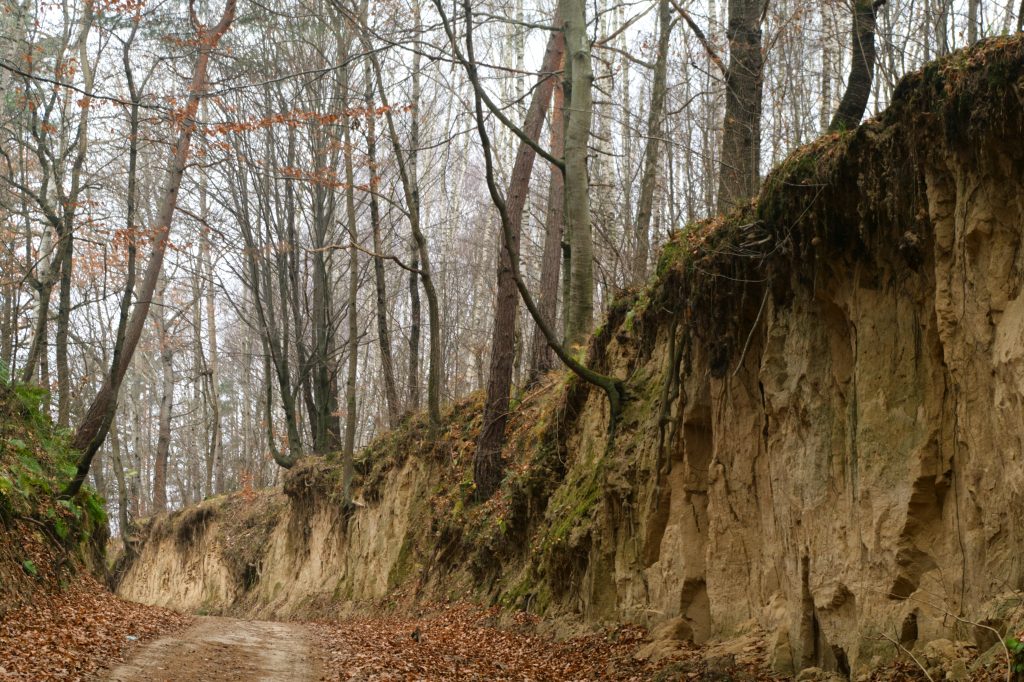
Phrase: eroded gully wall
[842,453]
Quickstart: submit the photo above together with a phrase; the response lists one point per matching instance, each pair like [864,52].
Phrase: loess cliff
[824,438]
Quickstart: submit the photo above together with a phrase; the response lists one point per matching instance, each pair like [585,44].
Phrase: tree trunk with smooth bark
[579,81]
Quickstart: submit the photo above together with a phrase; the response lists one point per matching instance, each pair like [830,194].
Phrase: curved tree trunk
[93,429]
[862,68]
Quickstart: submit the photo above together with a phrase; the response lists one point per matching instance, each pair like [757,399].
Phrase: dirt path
[223,650]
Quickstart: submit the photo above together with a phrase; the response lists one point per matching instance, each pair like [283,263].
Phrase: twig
[909,653]
[764,299]
[701,37]
[382,256]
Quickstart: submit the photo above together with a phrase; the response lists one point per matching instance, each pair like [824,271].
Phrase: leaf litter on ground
[464,642]
[72,634]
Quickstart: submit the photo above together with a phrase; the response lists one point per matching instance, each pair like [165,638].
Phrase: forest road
[223,650]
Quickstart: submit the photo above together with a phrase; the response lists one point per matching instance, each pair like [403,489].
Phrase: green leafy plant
[1016,648]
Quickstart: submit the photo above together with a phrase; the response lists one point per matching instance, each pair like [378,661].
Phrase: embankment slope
[824,437]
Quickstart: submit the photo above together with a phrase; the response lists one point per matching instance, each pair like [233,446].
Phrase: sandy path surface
[223,650]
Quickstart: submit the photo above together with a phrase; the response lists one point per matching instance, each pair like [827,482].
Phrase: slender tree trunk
[63,328]
[741,135]
[415,325]
[543,359]
[435,375]
[862,68]
[380,286]
[826,77]
[9,330]
[93,429]
[353,294]
[942,27]
[410,188]
[655,118]
[199,464]
[215,456]
[163,442]
[37,351]
[487,465]
[66,244]
[972,21]
[122,482]
[579,93]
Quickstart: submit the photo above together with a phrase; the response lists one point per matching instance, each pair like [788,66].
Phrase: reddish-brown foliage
[71,634]
[463,642]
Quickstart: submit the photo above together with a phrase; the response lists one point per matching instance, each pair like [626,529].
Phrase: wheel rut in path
[223,650]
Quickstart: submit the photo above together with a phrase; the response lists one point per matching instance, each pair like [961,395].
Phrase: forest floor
[459,642]
[72,633]
[224,650]
[82,634]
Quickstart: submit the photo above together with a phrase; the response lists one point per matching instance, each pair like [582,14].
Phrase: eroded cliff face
[273,555]
[825,436]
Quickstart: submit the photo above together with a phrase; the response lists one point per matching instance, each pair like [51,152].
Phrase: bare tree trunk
[862,67]
[415,324]
[318,374]
[543,359]
[36,358]
[380,286]
[655,117]
[122,482]
[63,327]
[353,294]
[487,464]
[163,442]
[9,330]
[65,247]
[972,21]
[274,336]
[612,387]
[410,188]
[94,426]
[215,456]
[579,83]
[942,27]
[826,75]
[741,135]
